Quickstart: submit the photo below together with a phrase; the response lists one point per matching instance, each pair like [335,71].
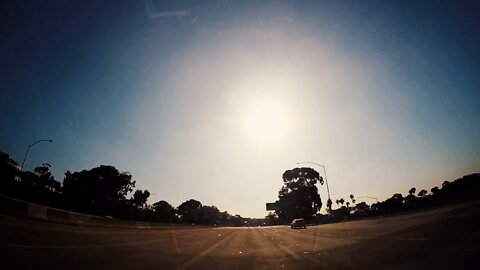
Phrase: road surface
[443,238]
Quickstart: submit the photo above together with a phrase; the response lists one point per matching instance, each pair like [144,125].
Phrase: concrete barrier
[36,211]
[26,209]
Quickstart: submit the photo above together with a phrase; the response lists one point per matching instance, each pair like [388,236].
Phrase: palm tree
[348,204]
[329,205]
[352,198]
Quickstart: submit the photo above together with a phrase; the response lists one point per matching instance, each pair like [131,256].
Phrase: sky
[214,100]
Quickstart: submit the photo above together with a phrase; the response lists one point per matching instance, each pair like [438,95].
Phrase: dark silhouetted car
[298,223]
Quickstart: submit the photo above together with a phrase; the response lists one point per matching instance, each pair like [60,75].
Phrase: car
[298,223]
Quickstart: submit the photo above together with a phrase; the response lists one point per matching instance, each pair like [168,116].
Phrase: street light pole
[326,182]
[28,149]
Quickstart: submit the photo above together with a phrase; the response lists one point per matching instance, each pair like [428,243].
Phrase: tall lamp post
[28,149]
[326,182]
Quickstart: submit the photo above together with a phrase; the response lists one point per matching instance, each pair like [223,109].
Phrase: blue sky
[213,100]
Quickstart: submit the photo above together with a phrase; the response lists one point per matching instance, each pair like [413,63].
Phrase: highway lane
[444,238]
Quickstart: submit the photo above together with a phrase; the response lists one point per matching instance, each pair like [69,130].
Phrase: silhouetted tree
[103,190]
[329,205]
[224,218]
[9,175]
[163,212]
[445,184]
[238,221]
[208,215]
[392,203]
[397,197]
[189,211]
[9,169]
[411,196]
[299,194]
[100,190]
[422,193]
[362,207]
[45,180]
[465,187]
[272,219]
[38,186]
[140,198]
[396,200]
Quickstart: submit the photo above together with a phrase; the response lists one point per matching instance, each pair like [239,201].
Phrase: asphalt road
[444,238]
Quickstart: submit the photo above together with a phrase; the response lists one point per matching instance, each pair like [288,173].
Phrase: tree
[412,191]
[348,204]
[396,200]
[100,190]
[397,197]
[352,198]
[422,193]
[163,212]
[45,180]
[329,205]
[9,168]
[224,218]
[271,219]
[238,221]
[208,215]
[9,175]
[390,204]
[189,211]
[139,198]
[337,201]
[362,207]
[445,184]
[342,201]
[299,194]
[435,191]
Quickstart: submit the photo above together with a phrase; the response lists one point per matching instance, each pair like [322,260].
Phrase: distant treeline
[105,191]
[299,198]
[465,188]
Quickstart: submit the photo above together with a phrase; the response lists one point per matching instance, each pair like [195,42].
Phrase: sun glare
[266,121]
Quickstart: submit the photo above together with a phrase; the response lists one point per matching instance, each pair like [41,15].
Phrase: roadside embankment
[26,209]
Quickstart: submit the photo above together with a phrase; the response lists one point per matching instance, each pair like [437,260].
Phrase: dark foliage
[37,186]
[98,191]
[162,211]
[104,191]
[299,196]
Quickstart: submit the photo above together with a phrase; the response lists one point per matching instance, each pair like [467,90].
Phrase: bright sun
[266,121]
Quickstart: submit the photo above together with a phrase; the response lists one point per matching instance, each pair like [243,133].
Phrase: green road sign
[278,206]
[271,206]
